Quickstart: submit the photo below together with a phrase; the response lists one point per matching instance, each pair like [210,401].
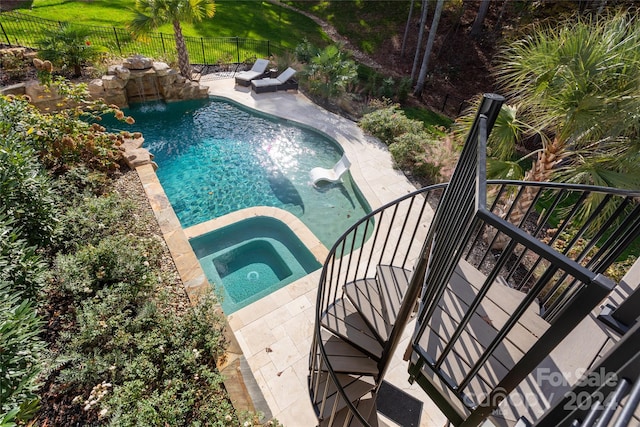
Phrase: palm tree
[577,88]
[150,14]
[68,46]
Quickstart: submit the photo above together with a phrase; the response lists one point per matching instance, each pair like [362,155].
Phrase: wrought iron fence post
[164,50]
[269,48]
[115,33]
[204,57]
[238,48]
[5,35]
[444,104]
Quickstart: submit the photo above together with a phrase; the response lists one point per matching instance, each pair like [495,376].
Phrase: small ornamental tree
[69,47]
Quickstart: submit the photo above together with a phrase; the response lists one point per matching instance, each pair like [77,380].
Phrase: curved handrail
[343,264]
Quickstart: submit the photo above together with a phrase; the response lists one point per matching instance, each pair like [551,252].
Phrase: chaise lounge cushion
[284,81]
[243,78]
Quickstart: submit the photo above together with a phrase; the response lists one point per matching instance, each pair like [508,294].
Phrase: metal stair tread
[354,387]
[393,283]
[345,358]
[364,406]
[342,319]
[364,294]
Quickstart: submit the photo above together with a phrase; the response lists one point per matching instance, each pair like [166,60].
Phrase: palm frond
[501,169]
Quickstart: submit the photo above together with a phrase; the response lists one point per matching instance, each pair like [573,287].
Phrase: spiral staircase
[482,270]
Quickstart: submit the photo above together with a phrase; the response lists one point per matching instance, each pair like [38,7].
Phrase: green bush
[25,191]
[305,50]
[415,151]
[64,139]
[20,348]
[388,123]
[115,259]
[89,219]
[376,85]
[20,264]
[160,366]
[68,46]
[330,72]
[185,389]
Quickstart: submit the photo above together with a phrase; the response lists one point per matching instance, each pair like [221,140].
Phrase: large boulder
[120,71]
[161,68]
[113,82]
[137,62]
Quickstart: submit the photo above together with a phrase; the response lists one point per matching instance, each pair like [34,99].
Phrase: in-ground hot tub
[251,258]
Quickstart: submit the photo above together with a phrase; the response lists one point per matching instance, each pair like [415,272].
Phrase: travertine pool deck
[275,332]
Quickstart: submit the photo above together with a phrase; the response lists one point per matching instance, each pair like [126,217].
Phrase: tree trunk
[540,171]
[406,29]
[427,53]
[423,21]
[181,47]
[498,25]
[476,29]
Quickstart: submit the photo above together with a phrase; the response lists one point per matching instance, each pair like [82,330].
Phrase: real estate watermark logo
[552,382]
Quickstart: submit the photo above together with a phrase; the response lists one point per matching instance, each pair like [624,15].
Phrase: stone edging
[306,236]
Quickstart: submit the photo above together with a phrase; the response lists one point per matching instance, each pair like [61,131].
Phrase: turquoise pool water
[252,258]
[215,158]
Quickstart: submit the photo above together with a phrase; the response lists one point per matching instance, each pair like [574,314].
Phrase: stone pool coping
[305,235]
[239,382]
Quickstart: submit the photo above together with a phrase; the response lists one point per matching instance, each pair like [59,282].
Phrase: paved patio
[275,332]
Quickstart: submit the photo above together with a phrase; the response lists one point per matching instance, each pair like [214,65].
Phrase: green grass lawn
[353,19]
[428,117]
[248,19]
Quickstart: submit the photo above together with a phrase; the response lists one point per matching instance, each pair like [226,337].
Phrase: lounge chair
[283,82]
[243,78]
[332,175]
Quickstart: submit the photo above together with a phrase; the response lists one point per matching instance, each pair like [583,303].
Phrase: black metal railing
[18,29]
[390,235]
[607,395]
[547,242]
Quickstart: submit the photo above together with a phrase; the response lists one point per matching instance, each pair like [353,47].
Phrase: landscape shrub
[89,219]
[389,122]
[20,349]
[14,64]
[375,85]
[114,259]
[186,389]
[330,72]
[69,47]
[417,153]
[160,366]
[20,264]
[25,190]
[65,139]
[305,50]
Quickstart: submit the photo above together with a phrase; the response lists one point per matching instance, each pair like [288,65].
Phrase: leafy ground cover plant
[19,358]
[107,335]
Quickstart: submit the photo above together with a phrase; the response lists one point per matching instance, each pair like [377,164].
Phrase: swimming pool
[249,259]
[215,157]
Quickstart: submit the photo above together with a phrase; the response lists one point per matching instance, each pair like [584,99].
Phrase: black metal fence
[18,29]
